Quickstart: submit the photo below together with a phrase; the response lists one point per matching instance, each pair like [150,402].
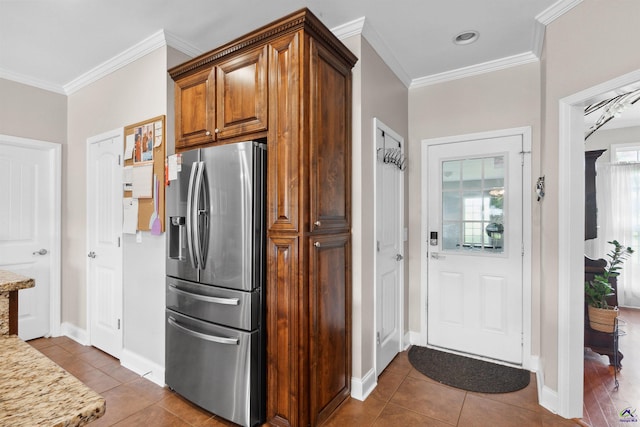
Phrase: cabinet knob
[316,244]
[317,223]
[217,130]
[208,133]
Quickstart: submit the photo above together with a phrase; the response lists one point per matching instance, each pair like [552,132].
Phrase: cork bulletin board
[146,164]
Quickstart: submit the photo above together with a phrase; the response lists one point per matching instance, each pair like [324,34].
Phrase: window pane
[473,204]
[451,235]
[451,174]
[451,209]
[472,174]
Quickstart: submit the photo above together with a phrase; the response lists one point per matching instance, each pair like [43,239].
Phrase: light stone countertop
[10,281]
[34,391]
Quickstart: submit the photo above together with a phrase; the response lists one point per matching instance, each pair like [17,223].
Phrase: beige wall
[129,95]
[29,112]
[503,99]
[377,93]
[594,42]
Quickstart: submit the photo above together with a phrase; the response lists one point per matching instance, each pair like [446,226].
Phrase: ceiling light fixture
[466,37]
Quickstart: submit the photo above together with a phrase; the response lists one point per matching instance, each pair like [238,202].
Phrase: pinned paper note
[130,215]
[157,133]
[143,181]
[129,145]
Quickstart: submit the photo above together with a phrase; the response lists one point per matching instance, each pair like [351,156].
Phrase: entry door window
[473,195]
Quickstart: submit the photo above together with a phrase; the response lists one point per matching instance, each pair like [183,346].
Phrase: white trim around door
[525,132]
[571,244]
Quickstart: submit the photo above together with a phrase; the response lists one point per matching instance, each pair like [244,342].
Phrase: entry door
[475,256]
[26,229]
[389,246]
[104,251]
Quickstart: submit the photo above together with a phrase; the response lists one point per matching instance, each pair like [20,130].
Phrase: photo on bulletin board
[144,143]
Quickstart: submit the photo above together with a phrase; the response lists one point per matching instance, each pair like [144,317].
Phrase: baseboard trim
[361,388]
[415,338]
[143,367]
[406,341]
[547,398]
[75,333]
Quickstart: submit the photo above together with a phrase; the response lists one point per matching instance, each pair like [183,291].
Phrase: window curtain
[618,201]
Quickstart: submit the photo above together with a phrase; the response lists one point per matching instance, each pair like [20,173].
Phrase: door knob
[91,254]
[399,257]
[40,252]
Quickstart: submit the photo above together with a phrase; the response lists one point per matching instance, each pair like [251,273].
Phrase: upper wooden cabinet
[290,81]
[195,118]
[224,101]
[241,104]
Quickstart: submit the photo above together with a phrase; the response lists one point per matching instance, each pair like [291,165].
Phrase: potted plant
[601,315]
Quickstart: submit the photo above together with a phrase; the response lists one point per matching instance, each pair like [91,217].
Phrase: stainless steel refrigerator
[215,349]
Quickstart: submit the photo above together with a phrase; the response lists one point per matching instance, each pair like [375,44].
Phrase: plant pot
[602,319]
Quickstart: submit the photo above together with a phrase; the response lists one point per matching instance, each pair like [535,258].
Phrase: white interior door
[26,230]
[389,246]
[104,234]
[475,252]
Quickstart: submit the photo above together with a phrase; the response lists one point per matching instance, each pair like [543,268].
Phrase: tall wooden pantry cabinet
[289,81]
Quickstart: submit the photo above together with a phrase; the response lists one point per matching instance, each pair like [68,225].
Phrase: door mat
[466,373]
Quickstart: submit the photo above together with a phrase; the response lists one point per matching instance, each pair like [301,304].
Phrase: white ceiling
[55,44]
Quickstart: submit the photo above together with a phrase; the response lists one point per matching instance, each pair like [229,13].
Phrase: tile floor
[403,397]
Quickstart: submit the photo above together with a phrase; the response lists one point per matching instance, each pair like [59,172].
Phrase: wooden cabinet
[225,101]
[291,82]
[194,114]
[590,206]
[241,105]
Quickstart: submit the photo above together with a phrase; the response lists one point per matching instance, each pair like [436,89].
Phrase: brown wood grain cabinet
[241,104]
[291,82]
[194,113]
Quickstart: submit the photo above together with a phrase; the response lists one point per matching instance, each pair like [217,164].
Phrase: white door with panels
[475,247]
[104,241]
[389,245]
[27,227]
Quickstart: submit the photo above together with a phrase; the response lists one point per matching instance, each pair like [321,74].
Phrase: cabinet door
[330,141]
[194,109]
[330,324]
[284,143]
[242,94]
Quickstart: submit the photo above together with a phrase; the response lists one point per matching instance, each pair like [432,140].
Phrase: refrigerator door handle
[197,233]
[206,298]
[190,223]
[207,337]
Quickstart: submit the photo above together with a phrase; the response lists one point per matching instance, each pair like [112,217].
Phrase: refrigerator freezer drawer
[213,367]
[228,307]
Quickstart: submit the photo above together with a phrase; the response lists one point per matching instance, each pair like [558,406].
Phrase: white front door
[104,231]
[475,249]
[27,230]
[389,246]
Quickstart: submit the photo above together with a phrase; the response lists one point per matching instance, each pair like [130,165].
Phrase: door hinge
[378,338]
[378,245]
[118,242]
[118,324]
[119,160]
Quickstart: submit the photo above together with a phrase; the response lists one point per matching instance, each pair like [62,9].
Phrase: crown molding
[538,38]
[474,70]
[556,10]
[30,81]
[181,45]
[361,27]
[349,29]
[137,51]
